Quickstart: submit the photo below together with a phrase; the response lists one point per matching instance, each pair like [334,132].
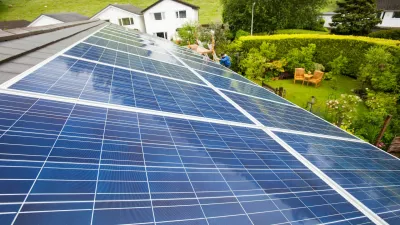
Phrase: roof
[13,24]
[129,8]
[178,1]
[389,5]
[67,17]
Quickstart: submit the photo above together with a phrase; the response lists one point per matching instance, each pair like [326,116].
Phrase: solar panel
[126,128]
[134,164]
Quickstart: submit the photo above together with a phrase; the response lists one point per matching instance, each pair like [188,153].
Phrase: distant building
[390,16]
[164,17]
[56,18]
[124,15]
[4,25]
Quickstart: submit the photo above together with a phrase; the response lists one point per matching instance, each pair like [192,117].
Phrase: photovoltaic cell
[83,80]
[240,87]
[130,61]
[71,161]
[282,116]
[364,171]
[132,49]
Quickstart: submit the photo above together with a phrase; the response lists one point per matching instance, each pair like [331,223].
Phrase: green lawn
[300,94]
[210,10]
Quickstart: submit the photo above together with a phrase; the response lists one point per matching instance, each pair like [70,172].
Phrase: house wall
[389,21]
[114,14]
[170,23]
[44,20]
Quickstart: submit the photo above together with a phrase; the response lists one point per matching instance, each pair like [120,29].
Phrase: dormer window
[181,14]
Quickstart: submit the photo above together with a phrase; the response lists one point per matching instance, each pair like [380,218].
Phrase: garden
[350,75]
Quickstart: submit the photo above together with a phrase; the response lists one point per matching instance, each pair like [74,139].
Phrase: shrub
[379,69]
[338,67]
[328,47]
[241,33]
[343,110]
[301,58]
[393,34]
[300,31]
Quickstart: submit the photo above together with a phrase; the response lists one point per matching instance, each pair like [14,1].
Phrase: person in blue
[225,61]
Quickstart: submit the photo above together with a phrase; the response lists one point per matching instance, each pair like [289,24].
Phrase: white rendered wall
[389,21]
[44,20]
[114,14]
[170,23]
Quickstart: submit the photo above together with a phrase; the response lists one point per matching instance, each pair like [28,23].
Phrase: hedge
[393,34]
[328,47]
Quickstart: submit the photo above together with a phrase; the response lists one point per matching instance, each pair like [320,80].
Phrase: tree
[301,58]
[355,17]
[379,69]
[188,33]
[270,15]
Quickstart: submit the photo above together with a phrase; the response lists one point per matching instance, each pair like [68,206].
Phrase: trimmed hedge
[329,47]
[393,34]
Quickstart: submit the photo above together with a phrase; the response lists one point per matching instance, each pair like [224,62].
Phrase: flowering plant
[343,109]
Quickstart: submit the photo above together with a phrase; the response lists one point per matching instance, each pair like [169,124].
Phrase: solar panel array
[126,128]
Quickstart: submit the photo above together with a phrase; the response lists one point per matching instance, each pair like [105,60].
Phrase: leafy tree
[270,15]
[379,69]
[254,65]
[301,58]
[188,33]
[356,17]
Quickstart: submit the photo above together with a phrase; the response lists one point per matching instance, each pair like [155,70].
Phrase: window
[396,14]
[159,16]
[126,21]
[107,20]
[162,35]
[181,14]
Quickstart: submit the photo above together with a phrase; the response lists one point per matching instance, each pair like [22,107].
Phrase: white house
[124,15]
[390,15]
[49,19]
[164,17]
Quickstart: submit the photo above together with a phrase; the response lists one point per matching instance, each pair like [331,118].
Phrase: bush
[301,58]
[338,67]
[241,33]
[328,47]
[300,31]
[393,34]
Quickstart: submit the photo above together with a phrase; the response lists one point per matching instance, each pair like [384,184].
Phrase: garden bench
[299,74]
[317,78]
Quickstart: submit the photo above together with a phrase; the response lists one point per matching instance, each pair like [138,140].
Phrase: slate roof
[389,5]
[11,24]
[179,1]
[129,8]
[23,48]
[67,17]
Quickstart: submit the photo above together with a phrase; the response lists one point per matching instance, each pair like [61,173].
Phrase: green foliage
[188,33]
[268,50]
[393,34]
[356,17]
[221,33]
[343,110]
[318,66]
[379,69]
[274,69]
[300,31]
[270,15]
[328,47]
[254,65]
[369,123]
[241,33]
[210,10]
[303,58]
[338,67]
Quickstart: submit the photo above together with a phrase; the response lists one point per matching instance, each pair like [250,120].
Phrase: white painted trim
[40,17]
[17,78]
[112,6]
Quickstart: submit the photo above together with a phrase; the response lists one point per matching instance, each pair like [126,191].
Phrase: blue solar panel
[73,164]
[366,172]
[131,61]
[132,49]
[63,162]
[282,116]
[240,87]
[79,79]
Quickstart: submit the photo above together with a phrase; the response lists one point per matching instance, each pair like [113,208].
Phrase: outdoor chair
[317,78]
[299,74]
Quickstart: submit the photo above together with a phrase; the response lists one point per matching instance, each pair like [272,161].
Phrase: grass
[299,94]
[300,31]
[210,10]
